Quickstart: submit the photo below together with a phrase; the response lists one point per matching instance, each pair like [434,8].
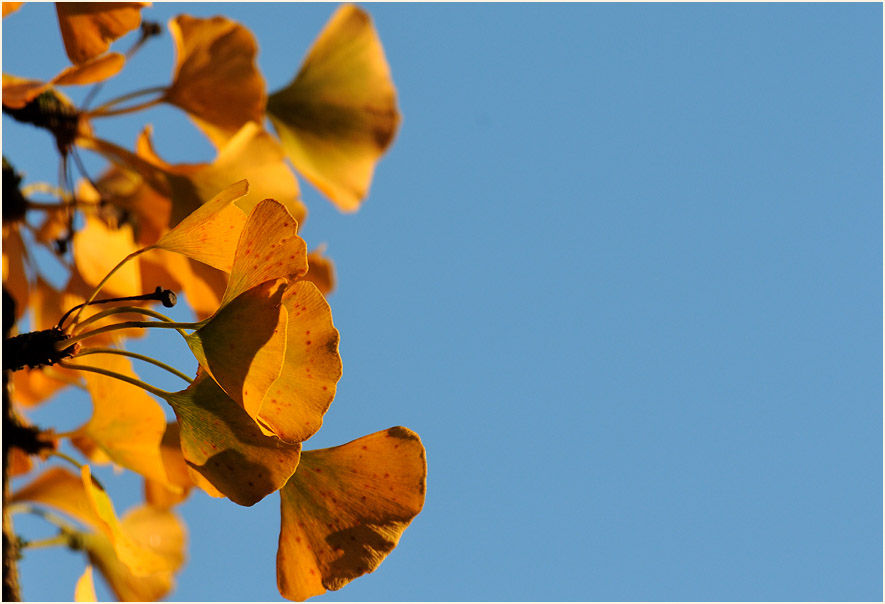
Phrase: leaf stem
[102,109]
[122,310]
[124,110]
[103,281]
[135,355]
[118,376]
[65,344]
[60,539]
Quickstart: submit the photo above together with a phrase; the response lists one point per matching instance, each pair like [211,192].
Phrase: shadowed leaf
[345,509]
[243,345]
[225,449]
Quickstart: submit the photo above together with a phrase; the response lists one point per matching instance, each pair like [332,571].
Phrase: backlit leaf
[210,233]
[345,509]
[11,7]
[88,28]
[127,424]
[216,79]
[339,114]
[84,590]
[98,248]
[165,495]
[321,271]
[294,405]
[224,448]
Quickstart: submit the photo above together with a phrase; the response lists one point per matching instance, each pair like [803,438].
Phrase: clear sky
[622,272]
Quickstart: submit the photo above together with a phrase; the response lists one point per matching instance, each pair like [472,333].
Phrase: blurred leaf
[216,80]
[84,590]
[339,114]
[88,28]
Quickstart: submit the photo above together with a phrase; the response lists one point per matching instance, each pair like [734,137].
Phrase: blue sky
[622,272]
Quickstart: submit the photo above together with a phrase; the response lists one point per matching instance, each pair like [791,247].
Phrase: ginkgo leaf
[269,248]
[338,115]
[165,495]
[159,531]
[209,234]
[243,345]
[140,560]
[98,248]
[294,405]
[84,590]
[60,489]
[18,92]
[345,509]
[129,434]
[224,448]
[216,80]
[88,28]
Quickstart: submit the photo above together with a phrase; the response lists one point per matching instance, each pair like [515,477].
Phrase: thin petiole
[60,539]
[122,310]
[65,344]
[118,376]
[140,357]
[101,284]
[103,109]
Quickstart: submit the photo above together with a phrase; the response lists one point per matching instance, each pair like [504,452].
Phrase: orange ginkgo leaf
[128,434]
[242,346]
[18,92]
[84,590]
[345,509]
[10,7]
[98,248]
[159,531]
[216,80]
[226,452]
[210,233]
[338,115]
[294,406]
[60,489]
[88,28]
[165,495]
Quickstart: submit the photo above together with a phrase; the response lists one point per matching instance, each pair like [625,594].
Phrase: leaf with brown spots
[339,114]
[224,448]
[294,406]
[243,344]
[345,509]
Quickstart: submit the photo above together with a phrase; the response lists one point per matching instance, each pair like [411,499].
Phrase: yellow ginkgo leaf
[338,115]
[216,80]
[225,450]
[210,233]
[242,345]
[98,248]
[84,590]
[60,489]
[159,531]
[165,495]
[88,28]
[129,434]
[11,7]
[269,248]
[345,509]
[139,559]
[294,405]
